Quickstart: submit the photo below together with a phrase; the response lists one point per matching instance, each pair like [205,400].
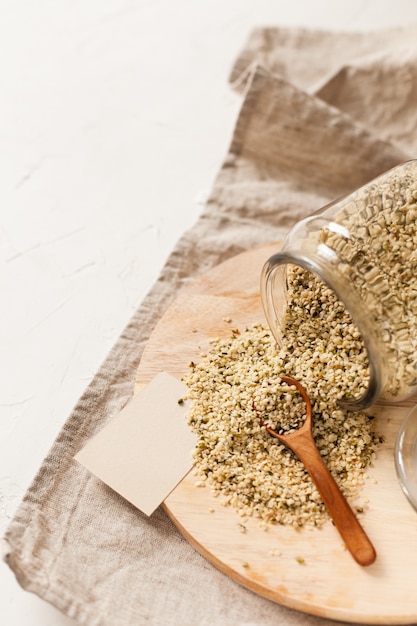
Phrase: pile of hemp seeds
[235,457]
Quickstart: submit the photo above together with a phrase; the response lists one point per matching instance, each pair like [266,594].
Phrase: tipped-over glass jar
[364,248]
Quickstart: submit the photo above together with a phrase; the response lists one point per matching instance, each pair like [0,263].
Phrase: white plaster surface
[115,116]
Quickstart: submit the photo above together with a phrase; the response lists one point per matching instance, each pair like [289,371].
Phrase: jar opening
[319,336]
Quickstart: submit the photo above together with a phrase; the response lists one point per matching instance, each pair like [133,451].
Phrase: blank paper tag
[146,450]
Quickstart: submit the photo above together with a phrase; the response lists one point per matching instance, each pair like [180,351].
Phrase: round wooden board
[328,583]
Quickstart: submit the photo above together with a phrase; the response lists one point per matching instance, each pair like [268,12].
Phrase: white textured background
[115,116]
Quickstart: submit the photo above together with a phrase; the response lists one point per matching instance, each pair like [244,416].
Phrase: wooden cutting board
[328,583]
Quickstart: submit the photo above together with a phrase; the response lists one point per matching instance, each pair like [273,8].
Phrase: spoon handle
[354,536]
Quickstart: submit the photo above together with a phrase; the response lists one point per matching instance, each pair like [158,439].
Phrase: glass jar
[364,248]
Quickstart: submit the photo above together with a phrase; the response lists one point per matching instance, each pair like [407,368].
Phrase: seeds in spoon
[280,406]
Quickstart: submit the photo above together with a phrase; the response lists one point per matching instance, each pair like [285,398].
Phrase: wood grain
[328,582]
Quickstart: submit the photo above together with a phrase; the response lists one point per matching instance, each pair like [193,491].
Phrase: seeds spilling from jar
[236,457]
[372,244]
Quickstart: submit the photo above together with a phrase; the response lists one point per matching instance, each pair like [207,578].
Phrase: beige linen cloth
[321,114]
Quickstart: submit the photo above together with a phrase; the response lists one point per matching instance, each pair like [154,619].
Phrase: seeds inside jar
[376,251]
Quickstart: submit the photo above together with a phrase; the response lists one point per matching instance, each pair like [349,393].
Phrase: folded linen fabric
[321,114]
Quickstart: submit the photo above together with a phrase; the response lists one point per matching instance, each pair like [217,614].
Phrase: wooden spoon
[301,442]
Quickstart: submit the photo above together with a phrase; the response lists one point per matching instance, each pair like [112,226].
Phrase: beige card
[146,450]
